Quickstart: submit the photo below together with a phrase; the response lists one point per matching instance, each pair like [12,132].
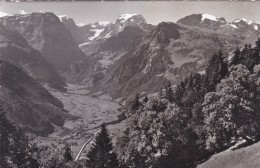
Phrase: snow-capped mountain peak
[125,17]
[209,17]
[233,26]
[2,14]
[130,18]
[97,33]
[103,23]
[80,24]
[249,22]
[63,17]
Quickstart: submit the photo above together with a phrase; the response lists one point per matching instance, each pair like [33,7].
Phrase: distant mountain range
[46,33]
[152,55]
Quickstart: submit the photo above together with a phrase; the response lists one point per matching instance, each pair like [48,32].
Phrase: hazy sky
[154,12]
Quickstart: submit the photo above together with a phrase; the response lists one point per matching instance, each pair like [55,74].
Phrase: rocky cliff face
[83,34]
[28,104]
[107,48]
[46,33]
[89,36]
[15,49]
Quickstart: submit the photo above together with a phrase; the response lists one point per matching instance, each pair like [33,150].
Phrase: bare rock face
[15,49]
[107,48]
[27,103]
[122,40]
[46,33]
[83,34]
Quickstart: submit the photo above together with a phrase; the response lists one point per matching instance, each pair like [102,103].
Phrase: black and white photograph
[129,84]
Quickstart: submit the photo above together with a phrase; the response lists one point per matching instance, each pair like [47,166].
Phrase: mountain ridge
[46,33]
[28,103]
[15,49]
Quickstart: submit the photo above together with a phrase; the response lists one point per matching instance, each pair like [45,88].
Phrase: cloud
[23,12]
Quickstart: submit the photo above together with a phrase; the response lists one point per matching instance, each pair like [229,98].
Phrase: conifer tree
[235,60]
[5,138]
[169,93]
[257,43]
[67,155]
[146,99]
[101,155]
[136,103]
[245,47]
[216,70]
[179,93]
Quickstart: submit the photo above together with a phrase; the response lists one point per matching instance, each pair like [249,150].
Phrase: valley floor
[89,112]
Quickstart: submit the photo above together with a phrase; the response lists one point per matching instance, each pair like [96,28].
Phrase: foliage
[232,111]
[203,114]
[216,70]
[169,93]
[145,99]
[155,104]
[15,150]
[248,56]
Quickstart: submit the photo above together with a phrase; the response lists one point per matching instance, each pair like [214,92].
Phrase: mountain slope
[15,49]
[83,34]
[28,103]
[243,157]
[107,48]
[239,27]
[113,29]
[45,32]
[167,54]
[151,56]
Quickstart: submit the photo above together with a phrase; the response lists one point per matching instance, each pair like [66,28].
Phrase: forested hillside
[202,115]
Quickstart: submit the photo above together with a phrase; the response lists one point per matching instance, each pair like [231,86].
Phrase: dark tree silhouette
[5,138]
[67,155]
[236,57]
[216,69]
[145,99]
[257,44]
[169,93]
[101,155]
[136,104]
